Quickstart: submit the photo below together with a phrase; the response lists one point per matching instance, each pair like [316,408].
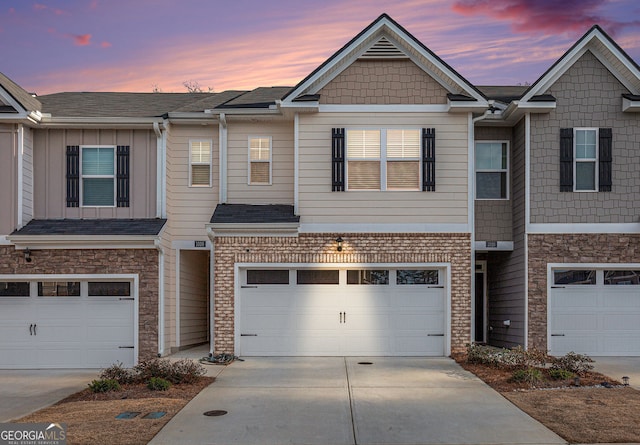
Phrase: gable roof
[605,49]
[385,36]
[18,94]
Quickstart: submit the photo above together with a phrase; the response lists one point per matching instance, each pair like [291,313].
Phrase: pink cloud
[39,7]
[105,45]
[544,16]
[81,39]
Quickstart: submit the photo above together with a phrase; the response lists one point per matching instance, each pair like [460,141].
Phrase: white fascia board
[581,228]
[630,106]
[83,242]
[300,106]
[536,107]
[102,122]
[8,99]
[243,111]
[253,229]
[467,106]
[383,228]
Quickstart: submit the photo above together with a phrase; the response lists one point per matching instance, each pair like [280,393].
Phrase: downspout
[472,210]
[527,217]
[212,294]
[20,136]
[159,168]
[158,245]
[222,135]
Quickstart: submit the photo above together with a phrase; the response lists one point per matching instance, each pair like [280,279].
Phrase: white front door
[66,324]
[363,312]
[594,311]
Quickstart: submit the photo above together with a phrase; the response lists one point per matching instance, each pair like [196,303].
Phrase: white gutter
[159,169]
[158,246]
[20,136]
[527,222]
[222,135]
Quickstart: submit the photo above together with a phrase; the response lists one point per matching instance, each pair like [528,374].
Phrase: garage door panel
[428,298]
[622,299]
[584,343]
[366,343]
[623,344]
[102,357]
[420,321]
[62,355]
[266,299]
[572,322]
[575,299]
[261,322]
[314,322]
[265,344]
[418,345]
[620,322]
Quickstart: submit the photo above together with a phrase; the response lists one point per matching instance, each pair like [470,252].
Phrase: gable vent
[383,49]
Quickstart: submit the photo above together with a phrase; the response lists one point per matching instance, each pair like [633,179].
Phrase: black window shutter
[566,159]
[73,176]
[604,159]
[122,176]
[428,159]
[337,160]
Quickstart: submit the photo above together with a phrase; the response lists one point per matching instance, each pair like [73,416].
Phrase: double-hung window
[386,159]
[200,163]
[259,160]
[98,176]
[586,159]
[492,170]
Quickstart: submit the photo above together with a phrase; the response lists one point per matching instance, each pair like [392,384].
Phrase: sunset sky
[137,45]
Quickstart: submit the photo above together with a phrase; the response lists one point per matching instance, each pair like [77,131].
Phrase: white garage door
[365,312]
[595,312]
[66,324]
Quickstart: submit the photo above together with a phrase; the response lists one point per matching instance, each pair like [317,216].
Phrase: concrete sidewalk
[618,367]
[336,400]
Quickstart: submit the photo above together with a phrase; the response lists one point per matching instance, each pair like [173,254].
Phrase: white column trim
[296,162]
[222,158]
[527,216]
[20,136]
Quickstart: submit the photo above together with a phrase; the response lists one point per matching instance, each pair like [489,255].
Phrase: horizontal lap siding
[447,205]
[281,189]
[194,297]
[50,172]
[189,208]
[27,191]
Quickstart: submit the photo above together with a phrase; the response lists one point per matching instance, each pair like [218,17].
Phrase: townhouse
[382,206]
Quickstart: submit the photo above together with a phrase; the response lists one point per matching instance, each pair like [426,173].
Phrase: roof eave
[253,229]
[630,105]
[35,242]
[102,122]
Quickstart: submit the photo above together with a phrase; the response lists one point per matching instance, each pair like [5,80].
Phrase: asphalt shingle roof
[26,100]
[260,97]
[254,214]
[113,226]
[504,93]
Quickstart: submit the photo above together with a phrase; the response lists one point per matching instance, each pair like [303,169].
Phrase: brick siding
[569,248]
[143,262]
[358,248]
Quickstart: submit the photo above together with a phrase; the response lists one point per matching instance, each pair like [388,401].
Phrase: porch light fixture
[339,240]
[625,380]
[27,255]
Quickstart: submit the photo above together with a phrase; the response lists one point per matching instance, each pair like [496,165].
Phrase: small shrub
[155,367]
[572,362]
[158,384]
[181,371]
[506,358]
[118,373]
[104,385]
[561,374]
[485,355]
[529,358]
[187,371]
[528,375]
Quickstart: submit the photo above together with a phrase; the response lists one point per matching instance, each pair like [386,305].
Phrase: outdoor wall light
[625,380]
[27,255]
[339,240]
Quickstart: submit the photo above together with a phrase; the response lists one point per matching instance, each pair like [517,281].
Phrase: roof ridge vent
[383,49]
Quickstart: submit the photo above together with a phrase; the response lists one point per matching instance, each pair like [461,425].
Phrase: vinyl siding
[50,173]
[27,179]
[8,179]
[506,270]
[194,297]
[493,218]
[588,95]
[318,204]
[189,208]
[280,191]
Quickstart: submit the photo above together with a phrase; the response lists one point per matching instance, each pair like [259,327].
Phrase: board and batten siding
[506,270]
[50,172]
[280,191]
[8,179]
[189,208]
[447,205]
[194,297]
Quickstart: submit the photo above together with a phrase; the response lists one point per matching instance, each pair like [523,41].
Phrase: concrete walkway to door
[337,400]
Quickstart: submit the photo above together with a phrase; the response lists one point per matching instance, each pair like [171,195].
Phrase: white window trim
[383,160]
[507,170]
[592,160]
[210,163]
[249,161]
[82,176]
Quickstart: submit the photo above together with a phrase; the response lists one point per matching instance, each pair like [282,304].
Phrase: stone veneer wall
[569,248]
[369,82]
[358,248]
[143,262]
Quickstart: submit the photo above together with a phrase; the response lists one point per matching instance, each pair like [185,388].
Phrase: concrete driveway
[617,367]
[336,400]
[25,391]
